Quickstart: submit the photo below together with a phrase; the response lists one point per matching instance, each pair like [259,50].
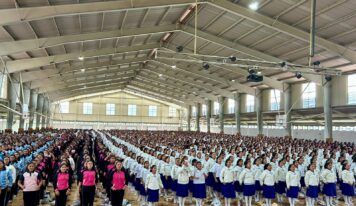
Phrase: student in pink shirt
[118,180]
[62,182]
[87,183]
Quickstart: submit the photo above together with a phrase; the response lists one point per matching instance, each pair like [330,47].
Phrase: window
[203,110]
[275,99]
[194,111]
[250,103]
[110,109]
[64,107]
[231,103]
[172,112]
[351,89]
[152,111]
[131,110]
[309,95]
[87,108]
[216,108]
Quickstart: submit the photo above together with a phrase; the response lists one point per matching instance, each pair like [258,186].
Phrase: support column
[12,89]
[287,107]
[237,98]
[221,113]
[198,116]
[25,99]
[44,112]
[189,116]
[40,100]
[328,130]
[33,107]
[208,115]
[48,115]
[259,112]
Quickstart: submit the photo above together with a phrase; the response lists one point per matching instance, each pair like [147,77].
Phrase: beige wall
[121,101]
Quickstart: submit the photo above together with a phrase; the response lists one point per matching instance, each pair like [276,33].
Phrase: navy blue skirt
[258,185]
[281,187]
[238,187]
[191,186]
[182,190]
[217,185]
[292,192]
[137,184]
[167,183]
[199,191]
[174,185]
[249,190]
[302,182]
[348,190]
[152,195]
[142,190]
[329,189]
[210,180]
[228,190]
[312,191]
[269,192]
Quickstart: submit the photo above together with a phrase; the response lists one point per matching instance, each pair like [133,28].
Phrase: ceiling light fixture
[179,48]
[206,66]
[81,58]
[174,67]
[254,5]
[233,58]
[298,75]
[82,70]
[160,75]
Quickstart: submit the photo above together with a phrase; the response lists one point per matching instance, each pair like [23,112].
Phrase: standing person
[87,183]
[12,171]
[238,187]
[247,179]
[281,173]
[184,174]
[30,183]
[62,182]
[312,185]
[174,175]
[5,182]
[348,182]
[153,185]
[257,168]
[118,180]
[145,172]
[227,181]
[199,188]
[268,182]
[293,184]
[328,176]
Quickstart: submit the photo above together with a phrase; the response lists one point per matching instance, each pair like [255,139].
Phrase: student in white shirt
[312,185]
[208,167]
[174,175]
[227,182]
[238,187]
[268,182]
[348,182]
[216,171]
[183,176]
[257,168]
[328,176]
[281,173]
[293,184]
[153,185]
[247,179]
[199,189]
[144,174]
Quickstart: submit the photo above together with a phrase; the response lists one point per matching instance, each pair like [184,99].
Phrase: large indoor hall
[177,102]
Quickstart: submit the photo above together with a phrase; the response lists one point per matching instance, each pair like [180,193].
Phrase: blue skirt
[292,192]
[228,190]
[191,186]
[258,185]
[329,189]
[142,190]
[348,190]
[269,192]
[238,187]
[312,191]
[217,186]
[174,185]
[249,190]
[153,195]
[281,187]
[210,180]
[137,184]
[199,191]
[167,183]
[302,182]
[182,190]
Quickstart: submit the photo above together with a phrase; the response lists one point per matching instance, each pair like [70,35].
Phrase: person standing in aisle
[227,182]
[30,183]
[199,187]
[118,180]
[247,179]
[293,184]
[328,177]
[268,182]
[184,174]
[153,185]
[62,182]
[87,182]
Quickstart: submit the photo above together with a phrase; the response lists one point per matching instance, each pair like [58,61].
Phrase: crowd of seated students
[224,168]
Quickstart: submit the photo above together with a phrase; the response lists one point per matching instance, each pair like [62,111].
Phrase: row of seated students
[182,166]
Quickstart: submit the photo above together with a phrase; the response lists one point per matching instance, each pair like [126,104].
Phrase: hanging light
[81,58]
[254,5]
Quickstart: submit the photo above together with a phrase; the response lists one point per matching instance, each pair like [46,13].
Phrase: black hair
[266,165]
[290,167]
[153,166]
[228,159]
